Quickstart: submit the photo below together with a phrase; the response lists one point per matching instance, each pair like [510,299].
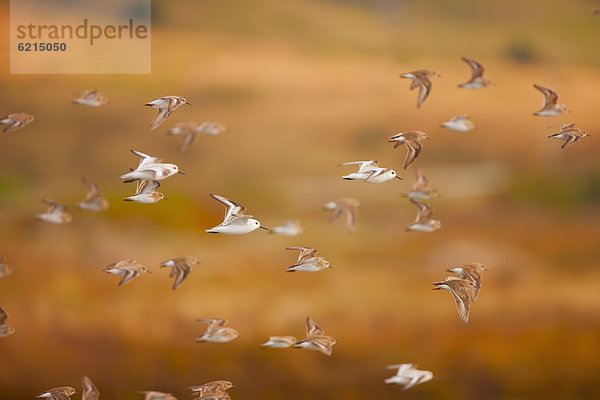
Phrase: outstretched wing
[312,329]
[424,213]
[476,68]
[233,209]
[94,190]
[305,252]
[550,97]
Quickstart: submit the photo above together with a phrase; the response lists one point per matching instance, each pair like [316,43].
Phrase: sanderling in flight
[16,121]
[216,390]
[280,342]
[370,172]
[59,393]
[550,108]
[89,390]
[93,201]
[412,139]
[190,129]
[146,193]
[477,80]
[151,169]
[288,228]
[235,221]
[424,221]
[91,98]
[422,80]
[408,375]
[165,107]
[470,272]
[5,329]
[180,268]
[153,395]
[217,331]
[347,207]
[56,213]
[460,123]
[128,270]
[459,289]
[316,339]
[421,189]
[5,269]
[569,134]
[308,261]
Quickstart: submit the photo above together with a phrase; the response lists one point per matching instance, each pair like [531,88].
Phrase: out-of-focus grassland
[302,86]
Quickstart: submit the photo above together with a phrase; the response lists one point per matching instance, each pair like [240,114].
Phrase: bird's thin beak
[181,172]
[331,266]
[233,386]
[264,227]
[165,198]
[399,178]
[188,103]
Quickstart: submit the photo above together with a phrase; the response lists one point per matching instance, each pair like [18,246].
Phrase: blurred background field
[304,85]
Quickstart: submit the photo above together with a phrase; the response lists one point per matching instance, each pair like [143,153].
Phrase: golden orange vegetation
[304,85]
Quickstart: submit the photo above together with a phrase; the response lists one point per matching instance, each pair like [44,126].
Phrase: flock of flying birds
[464,286]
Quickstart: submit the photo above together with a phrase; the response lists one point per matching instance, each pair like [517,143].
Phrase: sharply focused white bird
[151,169]
[369,171]
[235,221]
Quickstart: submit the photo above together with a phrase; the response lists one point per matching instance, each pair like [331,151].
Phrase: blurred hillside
[302,86]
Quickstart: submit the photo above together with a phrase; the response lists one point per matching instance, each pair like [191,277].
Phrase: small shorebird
[181,268]
[280,342]
[59,393]
[5,269]
[91,98]
[408,375]
[288,228]
[307,260]
[93,201]
[460,123]
[128,270]
[89,391]
[412,139]
[150,169]
[5,329]
[56,213]
[16,121]
[348,207]
[152,395]
[569,134]
[370,172]
[316,339]
[422,80]
[217,331]
[235,221]
[212,390]
[470,272]
[165,107]
[146,193]
[424,221]
[190,129]
[421,189]
[550,108]
[477,80]
[459,290]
